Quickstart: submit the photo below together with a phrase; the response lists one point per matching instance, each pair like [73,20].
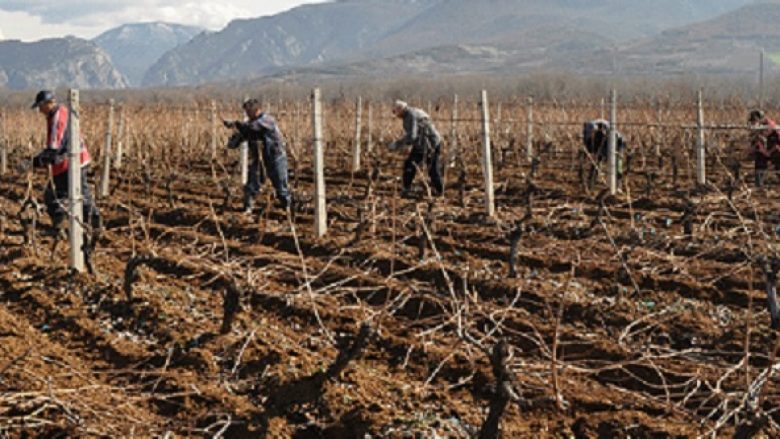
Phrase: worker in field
[426,146]
[54,157]
[595,136]
[764,143]
[266,144]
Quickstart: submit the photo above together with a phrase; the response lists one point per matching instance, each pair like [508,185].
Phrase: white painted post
[497,128]
[701,155]
[296,135]
[612,151]
[120,138]
[243,157]
[4,143]
[213,129]
[75,197]
[369,128]
[320,212]
[761,81]
[356,146]
[453,133]
[105,175]
[602,108]
[529,141]
[487,162]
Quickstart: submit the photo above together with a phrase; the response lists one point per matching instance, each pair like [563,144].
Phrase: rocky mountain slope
[50,63]
[136,47]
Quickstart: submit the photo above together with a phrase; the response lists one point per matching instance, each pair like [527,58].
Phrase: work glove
[45,158]
[24,166]
[229,123]
[394,146]
[235,140]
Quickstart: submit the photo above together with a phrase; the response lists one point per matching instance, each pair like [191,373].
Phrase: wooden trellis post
[601,114]
[369,129]
[120,138]
[75,196]
[296,134]
[487,161]
[213,129]
[320,212]
[761,81]
[612,146]
[243,157]
[356,146]
[701,155]
[498,127]
[4,143]
[529,140]
[105,174]
[454,152]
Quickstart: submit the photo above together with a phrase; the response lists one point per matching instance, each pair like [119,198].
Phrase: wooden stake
[454,151]
[4,143]
[243,156]
[320,212]
[529,140]
[243,159]
[369,128]
[75,196]
[602,109]
[761,81]
[487,161]
[701,157]
[612,151]
[213,129]
[120,138]
[105,175]
[356,146]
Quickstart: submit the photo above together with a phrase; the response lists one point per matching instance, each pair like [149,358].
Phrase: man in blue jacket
[263,136]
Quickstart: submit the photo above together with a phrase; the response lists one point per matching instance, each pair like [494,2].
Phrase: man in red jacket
[55,157]
[765,144]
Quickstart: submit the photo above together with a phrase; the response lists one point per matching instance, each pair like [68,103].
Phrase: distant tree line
[545,86]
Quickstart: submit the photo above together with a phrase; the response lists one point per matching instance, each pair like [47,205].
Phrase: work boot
[57,231]
[284,203]
[759,179]
[249,204]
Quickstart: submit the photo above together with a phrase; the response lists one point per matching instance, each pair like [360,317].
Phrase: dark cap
[250,103]
[755,116]
[42,97]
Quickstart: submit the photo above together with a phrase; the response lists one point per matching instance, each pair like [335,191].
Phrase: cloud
[212,14]
[94,13]
[87,18]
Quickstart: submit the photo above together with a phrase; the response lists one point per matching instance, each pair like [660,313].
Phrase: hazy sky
[30,20]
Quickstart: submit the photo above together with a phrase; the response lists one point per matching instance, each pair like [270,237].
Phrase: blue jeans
[276,168]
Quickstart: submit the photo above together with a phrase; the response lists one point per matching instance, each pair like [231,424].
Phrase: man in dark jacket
[262,134]
[595,137]
[426,146]
[765,144]
[55,158]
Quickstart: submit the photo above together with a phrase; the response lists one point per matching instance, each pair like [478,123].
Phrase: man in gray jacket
[426,145]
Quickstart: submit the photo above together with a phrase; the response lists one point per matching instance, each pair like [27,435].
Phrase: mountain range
[134,48]
[51,62]
[376,38]
[381,32]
